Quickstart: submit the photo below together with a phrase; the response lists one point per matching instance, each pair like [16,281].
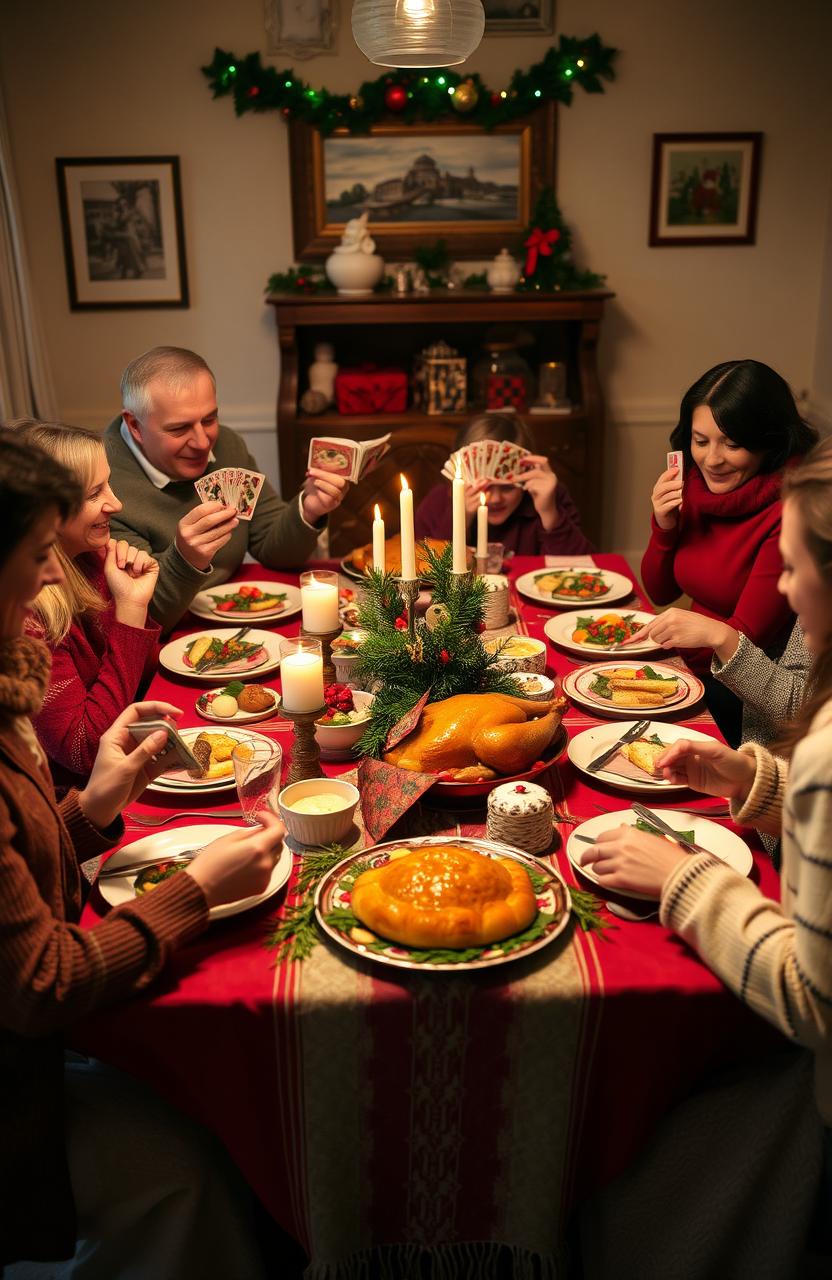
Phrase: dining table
[387,1112]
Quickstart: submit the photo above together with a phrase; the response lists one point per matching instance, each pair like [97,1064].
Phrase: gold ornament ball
[465,97]
[356,102]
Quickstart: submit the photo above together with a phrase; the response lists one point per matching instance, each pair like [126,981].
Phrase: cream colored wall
[94,78]
[821,401]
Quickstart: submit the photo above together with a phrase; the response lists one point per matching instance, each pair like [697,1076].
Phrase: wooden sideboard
[389,330]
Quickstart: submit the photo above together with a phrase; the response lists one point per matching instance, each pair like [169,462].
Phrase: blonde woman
[94,621]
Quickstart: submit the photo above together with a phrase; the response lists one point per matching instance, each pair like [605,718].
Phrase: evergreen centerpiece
[549,266]
[445,657]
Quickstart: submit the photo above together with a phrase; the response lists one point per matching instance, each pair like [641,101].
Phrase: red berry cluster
[338,697]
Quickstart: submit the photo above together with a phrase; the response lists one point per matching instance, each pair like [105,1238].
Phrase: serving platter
[167,844]
[204,607]
[587,746]
[577,685]
[180,782]
[333,910]
[618,587]
[449,793]
[719,841]
[560,629]
[171,656]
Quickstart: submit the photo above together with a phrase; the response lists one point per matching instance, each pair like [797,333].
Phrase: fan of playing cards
[234,486]
[496,460]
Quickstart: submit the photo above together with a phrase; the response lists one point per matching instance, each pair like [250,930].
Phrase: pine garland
[444,661]
[585,62]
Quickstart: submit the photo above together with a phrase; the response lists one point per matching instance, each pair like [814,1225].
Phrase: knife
[648,815]
[635,732]
[134,868]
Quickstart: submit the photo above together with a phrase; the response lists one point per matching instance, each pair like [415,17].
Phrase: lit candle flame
[482,499]
[405,485]
[377,512]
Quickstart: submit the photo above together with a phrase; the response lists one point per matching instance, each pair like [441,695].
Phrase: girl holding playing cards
[716,522]
[532,514]
[95,621]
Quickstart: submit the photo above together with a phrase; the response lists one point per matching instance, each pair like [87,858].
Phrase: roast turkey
[479,735]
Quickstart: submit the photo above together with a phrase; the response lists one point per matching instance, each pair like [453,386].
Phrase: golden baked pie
[445,896]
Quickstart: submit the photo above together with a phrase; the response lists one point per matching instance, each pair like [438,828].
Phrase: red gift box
[506,391]
[369,389]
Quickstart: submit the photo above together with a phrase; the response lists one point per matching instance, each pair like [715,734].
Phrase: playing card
[210,487]
[250,485]
[337,456]
[371,456]
[676,459]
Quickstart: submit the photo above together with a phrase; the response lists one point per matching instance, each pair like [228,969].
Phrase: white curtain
[25,381]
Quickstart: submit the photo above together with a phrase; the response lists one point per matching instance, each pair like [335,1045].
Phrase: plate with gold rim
[335,917]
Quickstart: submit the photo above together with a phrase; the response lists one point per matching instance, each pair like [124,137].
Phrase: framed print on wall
[421,182]
[124,242]
[520,17]
[704,188]
[301,28]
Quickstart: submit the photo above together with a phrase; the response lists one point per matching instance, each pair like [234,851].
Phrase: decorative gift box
[506,391]
[369,389]
[440,382]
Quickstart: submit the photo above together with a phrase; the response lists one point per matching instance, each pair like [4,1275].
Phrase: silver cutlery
[647,815]
[132,868]
[718,811]
[627,913]
[141,820]
[632,733]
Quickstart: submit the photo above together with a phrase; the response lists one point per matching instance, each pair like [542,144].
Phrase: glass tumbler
[257,768]
[494,557]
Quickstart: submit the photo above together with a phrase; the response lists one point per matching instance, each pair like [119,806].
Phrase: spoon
[627,914]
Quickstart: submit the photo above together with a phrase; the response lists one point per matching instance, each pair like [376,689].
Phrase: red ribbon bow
[540,243]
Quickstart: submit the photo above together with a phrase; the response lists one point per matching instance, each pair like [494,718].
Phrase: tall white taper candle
[460,558]
[482,528]
[379,560]
[407,535]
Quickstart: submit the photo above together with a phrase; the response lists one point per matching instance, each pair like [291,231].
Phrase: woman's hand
[239,865]
[667,498]
[123,766]
[540,482]
[131,575]
[683,629]
[710,767]
[626,858]
[323,491]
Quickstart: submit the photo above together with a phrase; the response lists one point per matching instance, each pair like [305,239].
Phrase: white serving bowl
[535,660]
[318,828]
[539,695]
[339,739]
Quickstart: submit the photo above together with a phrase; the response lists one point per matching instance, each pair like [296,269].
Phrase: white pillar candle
[460,557]
[302,681]
[319,602]
[482,528]
[407,535]
[379,560]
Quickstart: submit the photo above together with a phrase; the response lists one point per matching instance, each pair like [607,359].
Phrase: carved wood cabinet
[389,331]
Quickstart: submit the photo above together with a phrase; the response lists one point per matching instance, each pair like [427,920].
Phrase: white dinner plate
[171,656]
[179,781]
[577,685]
[240,717]
[166,844]
[617,587]
[587,746]
[204,606]
[560,628]
[718,840]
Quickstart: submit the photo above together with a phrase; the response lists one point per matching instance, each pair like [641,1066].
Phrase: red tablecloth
[367,1107]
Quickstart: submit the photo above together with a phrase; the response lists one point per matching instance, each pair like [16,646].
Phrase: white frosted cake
[522,814]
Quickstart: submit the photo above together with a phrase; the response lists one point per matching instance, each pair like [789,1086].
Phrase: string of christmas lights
[414,96]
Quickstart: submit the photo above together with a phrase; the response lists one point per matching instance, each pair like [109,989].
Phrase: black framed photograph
[420,182]
[521,17]
[124,242]
[705,188]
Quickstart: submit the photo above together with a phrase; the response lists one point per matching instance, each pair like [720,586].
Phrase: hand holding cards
[497,460]
[349,458]
[233,486]
[667,492]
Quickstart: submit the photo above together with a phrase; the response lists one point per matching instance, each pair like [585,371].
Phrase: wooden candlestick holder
[326,638]
[306,756]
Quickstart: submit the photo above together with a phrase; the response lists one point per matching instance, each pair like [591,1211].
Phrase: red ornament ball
[395,98]
[495,99]
[444,657]
[480,627]
[400,624]
[253,92]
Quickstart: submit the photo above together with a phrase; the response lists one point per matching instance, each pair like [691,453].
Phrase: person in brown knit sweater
[55,1191]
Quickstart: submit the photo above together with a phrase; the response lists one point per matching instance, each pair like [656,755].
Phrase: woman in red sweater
[715,530]
[95,621]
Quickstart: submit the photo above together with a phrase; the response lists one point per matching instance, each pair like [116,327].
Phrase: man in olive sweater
[167,437]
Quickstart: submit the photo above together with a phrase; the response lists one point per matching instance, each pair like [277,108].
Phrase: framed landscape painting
[704,188]
[124,243]
[421,182]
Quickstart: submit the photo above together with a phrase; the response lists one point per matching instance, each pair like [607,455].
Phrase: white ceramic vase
[502,273]
[354,273]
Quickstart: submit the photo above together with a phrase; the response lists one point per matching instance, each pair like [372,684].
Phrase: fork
[142,820]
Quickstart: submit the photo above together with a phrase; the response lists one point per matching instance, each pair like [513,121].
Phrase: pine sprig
[585,908]
[295,935]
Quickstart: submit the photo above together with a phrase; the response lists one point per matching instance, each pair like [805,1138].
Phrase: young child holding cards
[95,621]
[530,510]
[716,518]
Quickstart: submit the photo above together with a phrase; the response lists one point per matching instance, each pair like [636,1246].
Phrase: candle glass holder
[409,591]
[320,613]
[302,702]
